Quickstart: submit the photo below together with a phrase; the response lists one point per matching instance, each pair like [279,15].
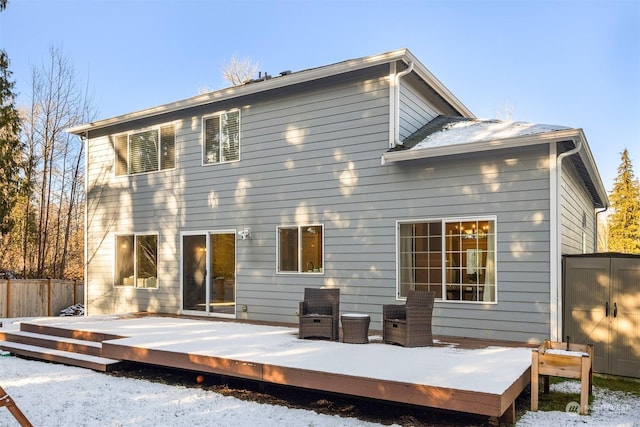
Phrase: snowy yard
[52,394]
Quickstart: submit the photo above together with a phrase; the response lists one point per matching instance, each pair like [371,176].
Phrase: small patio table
[355,328]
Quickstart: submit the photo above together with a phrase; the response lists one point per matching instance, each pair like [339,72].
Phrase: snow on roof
[456,131]
[454,135]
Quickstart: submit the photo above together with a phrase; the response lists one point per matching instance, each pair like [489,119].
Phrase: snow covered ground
[56,395]
[609,409]
[51,394]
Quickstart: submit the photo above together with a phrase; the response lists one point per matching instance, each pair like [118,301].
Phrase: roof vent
[285,73]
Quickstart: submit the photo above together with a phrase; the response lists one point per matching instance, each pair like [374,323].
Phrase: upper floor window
[221,137]
[145,151]
[454,258]
[300,249]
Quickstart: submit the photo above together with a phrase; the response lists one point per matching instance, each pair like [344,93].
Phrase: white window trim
[444,221]
[300,263]
[146,129]
[204,142]
[135,260]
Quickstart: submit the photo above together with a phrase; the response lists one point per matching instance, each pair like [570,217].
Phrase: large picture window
[145,151]
[221,137]
[300,249]
[453,258]
[137,261]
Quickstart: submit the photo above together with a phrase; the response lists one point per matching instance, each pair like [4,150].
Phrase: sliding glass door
[209,273]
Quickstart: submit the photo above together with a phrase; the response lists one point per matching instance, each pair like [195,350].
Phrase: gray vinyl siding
[335,126]
[128,205]
[415,109]
[576,205]
[517,193]
[314,156]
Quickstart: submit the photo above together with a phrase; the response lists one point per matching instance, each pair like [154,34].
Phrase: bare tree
[239,71]
[506,111]
[54,172]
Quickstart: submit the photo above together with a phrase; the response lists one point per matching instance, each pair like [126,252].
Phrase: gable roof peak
[284,80]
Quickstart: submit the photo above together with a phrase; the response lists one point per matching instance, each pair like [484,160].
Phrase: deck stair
[69,347]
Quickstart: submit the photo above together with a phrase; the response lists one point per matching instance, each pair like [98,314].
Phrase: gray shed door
[602,307]
[625,351]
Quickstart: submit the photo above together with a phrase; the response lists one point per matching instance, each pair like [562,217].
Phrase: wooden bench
[563,360]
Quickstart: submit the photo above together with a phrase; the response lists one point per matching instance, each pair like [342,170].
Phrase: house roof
[283,80]
[447,131]
[447,136]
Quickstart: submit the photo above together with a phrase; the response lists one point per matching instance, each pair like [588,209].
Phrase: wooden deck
[273,354]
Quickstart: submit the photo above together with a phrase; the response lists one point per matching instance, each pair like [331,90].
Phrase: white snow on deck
[492,370]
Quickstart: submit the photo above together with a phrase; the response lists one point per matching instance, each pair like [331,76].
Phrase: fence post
[8,297]
[74,292]
[48,296]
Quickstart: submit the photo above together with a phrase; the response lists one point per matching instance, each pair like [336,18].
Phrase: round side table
[355,328]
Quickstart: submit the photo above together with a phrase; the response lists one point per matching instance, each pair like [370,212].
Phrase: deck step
[38,328]
[55,342]
[59,356]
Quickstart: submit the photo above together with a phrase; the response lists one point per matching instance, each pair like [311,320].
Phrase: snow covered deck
[483,381]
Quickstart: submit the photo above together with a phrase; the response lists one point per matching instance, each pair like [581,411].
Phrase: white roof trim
[283,81]
[449,150]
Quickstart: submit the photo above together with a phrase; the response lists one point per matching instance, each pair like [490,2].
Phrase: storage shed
[602,307]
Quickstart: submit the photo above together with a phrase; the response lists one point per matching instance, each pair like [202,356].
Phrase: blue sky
[571,63]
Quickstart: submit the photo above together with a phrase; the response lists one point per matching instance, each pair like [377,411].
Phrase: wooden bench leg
[534,381]
[6,400]
[585,387]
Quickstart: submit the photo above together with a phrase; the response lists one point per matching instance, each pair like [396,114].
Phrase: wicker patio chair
[320,314]
[409,325]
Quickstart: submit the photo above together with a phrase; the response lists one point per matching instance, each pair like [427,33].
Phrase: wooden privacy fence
[38,297]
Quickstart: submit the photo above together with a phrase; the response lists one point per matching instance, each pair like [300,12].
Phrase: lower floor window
[455,258]
[137,260]
[300,249]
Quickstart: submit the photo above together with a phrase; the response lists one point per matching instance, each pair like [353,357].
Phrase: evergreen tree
[10,145]
[624,221]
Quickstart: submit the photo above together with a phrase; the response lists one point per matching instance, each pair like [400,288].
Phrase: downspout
[85,140]
[396,105]
[556,250]
[595,244]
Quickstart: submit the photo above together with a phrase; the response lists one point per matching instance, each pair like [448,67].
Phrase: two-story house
[366,175]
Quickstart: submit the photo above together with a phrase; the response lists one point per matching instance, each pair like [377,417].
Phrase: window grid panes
[221,138]
[420,252]
[454,258]
[300,249]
